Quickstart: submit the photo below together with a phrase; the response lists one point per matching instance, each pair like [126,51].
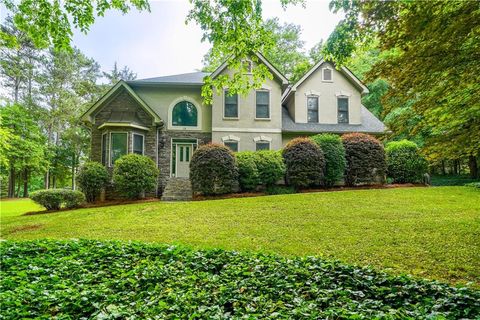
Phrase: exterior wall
[165,150]
[246,140]
[246,127]
[163,99]
[327,92]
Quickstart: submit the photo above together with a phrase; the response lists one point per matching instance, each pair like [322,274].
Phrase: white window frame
[223,107]
[143,144]
[323,74]
[263,139]
[269,104]
[185,128]
[111,144]
[107,150]
[263,142]
[318,106]
[348,108]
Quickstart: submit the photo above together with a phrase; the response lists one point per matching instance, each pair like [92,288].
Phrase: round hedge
[248,176]
[270,166]
[91,179]
[213,170]
[365,158]
[334,153]
[53,199]
[304,163]
[134,175]
[405,164]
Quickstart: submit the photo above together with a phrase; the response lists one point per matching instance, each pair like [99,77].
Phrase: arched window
[184,114]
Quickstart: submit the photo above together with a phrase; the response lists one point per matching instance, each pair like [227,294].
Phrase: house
[165,117]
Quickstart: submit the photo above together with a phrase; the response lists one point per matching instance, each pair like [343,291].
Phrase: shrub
[274,190]
[213,170]
[404,162]
[365,159]
[134,175]
[248,176]
[91,179]
[270,166]
[475,185]
[334,153]
[304,163]
[53,199]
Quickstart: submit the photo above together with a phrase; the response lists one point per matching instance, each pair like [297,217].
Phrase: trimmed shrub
[248,176]
[91,179]
[134,175]
[404,162]
[270,166]
[53,199]
[334,153]
[275,190]
[304,163]
[213,170]
[365,159]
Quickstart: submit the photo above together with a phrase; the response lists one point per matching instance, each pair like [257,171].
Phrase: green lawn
[427,232]
[16,207]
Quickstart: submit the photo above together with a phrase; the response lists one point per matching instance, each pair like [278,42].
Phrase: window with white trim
[138,143]
[312,109]
[118,145]
[342,104]
[232,145]
[262,145]
[230,108]
[327,74]
[262,110]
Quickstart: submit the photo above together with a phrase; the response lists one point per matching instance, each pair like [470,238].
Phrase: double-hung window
[118,145]
[312,109]
[262,104]
[230,109]
[342,103]
[327,74]
[138,143]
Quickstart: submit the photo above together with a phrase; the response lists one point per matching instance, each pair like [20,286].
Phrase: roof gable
[88,115]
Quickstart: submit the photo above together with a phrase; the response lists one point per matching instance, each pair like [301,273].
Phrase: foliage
[270,166]
[334,153]
[51,22]
[356,226]
[180,282]
[213,170]
[452,180]
[134,175]
[433,67]
[404,162]
[117,74]
[276,189]
[91,179]
[248,176]
[473,185]
[365,158]
[304,163]
[53,199]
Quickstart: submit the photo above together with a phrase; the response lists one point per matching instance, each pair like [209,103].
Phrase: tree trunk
[19,184]
[11,182]
[473,166]
[443,167]
[46,180]
[25,183]
[73,170]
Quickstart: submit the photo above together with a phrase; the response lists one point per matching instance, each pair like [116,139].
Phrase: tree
[433,68]
[49,23]
[117,74]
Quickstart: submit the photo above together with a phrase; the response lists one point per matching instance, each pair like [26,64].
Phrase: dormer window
[327,74]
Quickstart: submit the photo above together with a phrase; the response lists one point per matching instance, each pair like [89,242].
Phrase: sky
[159,42]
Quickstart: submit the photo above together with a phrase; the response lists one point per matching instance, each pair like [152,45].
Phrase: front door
[183,156]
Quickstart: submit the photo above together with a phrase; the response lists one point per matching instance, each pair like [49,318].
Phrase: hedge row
[89,279]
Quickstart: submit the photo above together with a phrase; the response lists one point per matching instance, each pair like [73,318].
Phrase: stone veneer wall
[165,150]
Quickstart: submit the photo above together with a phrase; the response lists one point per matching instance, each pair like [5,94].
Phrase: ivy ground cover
[80,279]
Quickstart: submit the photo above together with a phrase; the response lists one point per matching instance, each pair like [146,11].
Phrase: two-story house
[165,117]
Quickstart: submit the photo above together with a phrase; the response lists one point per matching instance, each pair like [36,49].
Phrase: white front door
[183,156]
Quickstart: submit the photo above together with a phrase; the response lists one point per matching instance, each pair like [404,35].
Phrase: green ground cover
[428,232]
[113,280]
[16,207]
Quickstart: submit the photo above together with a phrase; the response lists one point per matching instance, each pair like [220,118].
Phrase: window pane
[104,149]
[312,108]
[232,145]
[263,97]
[327,74]
[184,114]
[119,146]
[343,104]
[231,105]
[342,110]
[187,154]
[262,146]
[342,117]
[263,101]
[312,116]
[181,154]
[138,144]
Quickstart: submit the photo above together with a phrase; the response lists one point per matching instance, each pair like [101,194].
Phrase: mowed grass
[16,207]
[428,232]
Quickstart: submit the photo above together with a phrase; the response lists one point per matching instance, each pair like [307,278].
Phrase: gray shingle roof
[192,78]
[370,124]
